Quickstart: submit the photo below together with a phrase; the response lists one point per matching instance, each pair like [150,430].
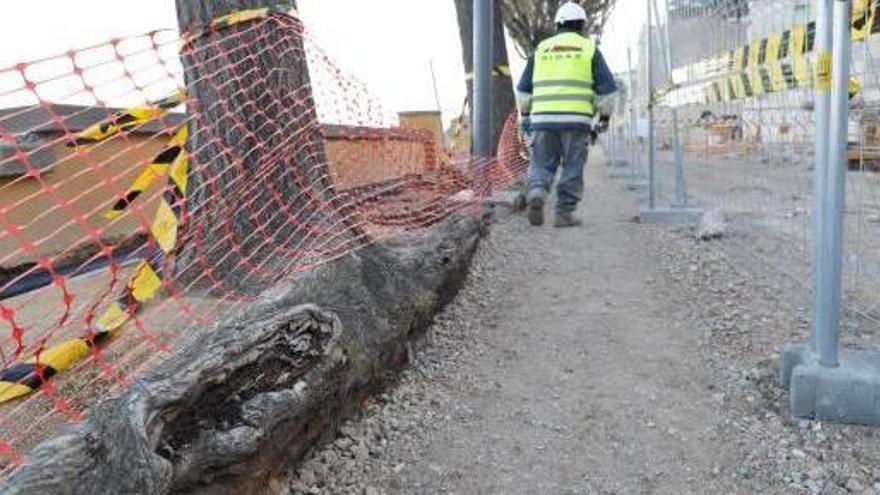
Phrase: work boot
[536,210]
[564,220]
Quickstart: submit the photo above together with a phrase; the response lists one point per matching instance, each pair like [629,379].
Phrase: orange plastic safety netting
[152,186]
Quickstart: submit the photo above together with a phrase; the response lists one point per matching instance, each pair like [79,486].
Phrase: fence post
[482,78]
[612,143]
[822,102]
[632,113]
[649,86]
[835,190]
[823,385]
[679,213]
[680,185]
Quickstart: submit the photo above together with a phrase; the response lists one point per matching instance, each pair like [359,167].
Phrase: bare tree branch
[530,21]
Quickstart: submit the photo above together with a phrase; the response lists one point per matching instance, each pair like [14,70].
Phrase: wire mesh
[743,83]
[150,187]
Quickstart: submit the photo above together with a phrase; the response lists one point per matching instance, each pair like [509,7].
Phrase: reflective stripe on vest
[562,118]
[563,77]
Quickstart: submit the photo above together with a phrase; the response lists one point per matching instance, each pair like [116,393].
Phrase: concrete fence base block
[636,184]
[848,393]
[620,173]
[790,357]
[671,215]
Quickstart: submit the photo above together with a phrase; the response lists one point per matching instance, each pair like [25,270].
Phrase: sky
[389,45]
[622,31]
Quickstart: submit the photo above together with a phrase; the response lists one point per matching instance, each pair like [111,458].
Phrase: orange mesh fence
[152,186]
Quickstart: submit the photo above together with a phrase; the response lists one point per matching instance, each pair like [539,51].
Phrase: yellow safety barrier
[146,281]
[779,62]
[127,120]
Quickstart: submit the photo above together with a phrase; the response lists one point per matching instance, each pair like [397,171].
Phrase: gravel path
[613,358]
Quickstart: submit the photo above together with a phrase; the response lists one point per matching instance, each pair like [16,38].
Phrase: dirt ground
[613,358]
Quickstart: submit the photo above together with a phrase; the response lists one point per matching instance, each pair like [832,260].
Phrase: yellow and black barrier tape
[146,281]
[864,19]
[499,70]
[823,71]
[779,62]
[142,287]
[235,18]
[127,120]
[159,167]
[24,378]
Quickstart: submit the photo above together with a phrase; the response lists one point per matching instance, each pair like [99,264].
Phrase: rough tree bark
[255,140]
[226,414]
[503,101]
[228,411]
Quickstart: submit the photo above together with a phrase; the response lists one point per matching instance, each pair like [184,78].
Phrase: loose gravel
[616,358]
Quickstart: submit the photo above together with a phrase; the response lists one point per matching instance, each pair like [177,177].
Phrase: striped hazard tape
[500,70]
[863,18]
[779,62]
[143,285]
[126,120]
[235,18]
[170,158]
[146,281]
[23,378]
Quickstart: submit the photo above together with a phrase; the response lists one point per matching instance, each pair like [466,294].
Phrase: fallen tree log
[225,414]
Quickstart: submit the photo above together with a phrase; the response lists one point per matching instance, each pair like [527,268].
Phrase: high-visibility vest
[563,80]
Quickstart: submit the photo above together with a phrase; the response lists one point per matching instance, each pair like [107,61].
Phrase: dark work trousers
[550,149]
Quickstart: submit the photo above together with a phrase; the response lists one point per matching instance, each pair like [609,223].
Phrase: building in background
[428,120]
[768,17]
[89,180]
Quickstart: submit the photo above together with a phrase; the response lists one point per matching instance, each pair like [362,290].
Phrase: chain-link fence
[745,82]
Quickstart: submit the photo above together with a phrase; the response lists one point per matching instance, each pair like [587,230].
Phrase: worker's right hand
[525,123]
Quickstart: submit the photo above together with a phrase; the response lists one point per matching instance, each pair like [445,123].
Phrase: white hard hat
[571,12]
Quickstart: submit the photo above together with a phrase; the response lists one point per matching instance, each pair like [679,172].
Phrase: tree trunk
[228,412]
[503,101]
[260,188]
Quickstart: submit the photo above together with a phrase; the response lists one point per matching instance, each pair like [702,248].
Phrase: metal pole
[434,82]
[652,193]
[632,112]
[822,102]
[832,252]
[482,78]
[680,186]
[612,142]
[437,96]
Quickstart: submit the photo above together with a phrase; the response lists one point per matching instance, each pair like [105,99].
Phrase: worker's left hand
[604,121]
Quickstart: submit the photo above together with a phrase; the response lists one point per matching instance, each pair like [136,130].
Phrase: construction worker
[558,90]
